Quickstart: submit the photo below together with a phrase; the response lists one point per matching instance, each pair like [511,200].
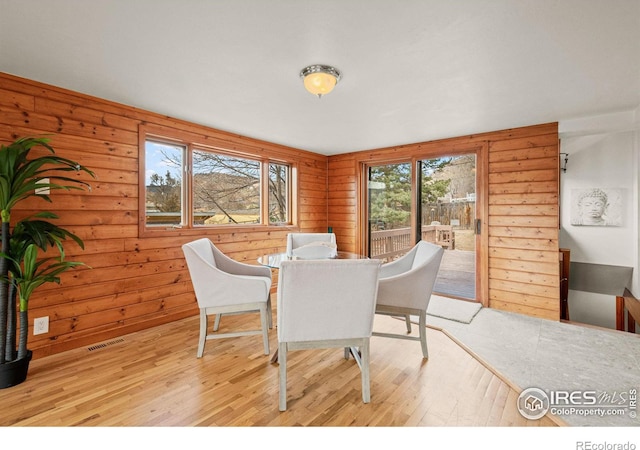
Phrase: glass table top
[273,260]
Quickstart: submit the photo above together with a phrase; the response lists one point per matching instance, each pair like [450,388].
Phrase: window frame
[197,142]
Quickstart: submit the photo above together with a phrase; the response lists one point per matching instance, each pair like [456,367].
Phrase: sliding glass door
[432,200]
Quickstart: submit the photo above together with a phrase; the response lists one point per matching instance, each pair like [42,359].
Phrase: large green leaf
[20,176]
[31,273]
[42,233]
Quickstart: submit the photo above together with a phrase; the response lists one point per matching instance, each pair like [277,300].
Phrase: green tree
[390,191]
[164,192]
[390,195]
[433,187]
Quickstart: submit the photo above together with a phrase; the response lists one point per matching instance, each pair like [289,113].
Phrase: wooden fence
[462,212]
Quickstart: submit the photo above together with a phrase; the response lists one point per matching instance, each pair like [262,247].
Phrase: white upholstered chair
[405,288]
[326,304]
[312,245]
[225,286]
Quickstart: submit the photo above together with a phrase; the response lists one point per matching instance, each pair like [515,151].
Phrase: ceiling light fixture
[319,79]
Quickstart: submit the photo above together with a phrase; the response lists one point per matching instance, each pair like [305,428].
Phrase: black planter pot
[14,372]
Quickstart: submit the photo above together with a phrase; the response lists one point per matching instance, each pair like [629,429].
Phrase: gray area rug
[451,309]
[550,355]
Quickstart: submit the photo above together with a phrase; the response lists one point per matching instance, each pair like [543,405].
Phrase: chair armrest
[234,267]
[394,268]
[410,289]
[251,270]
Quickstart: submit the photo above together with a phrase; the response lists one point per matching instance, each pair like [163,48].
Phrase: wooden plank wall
[134,283]
[517,199]
[523,224]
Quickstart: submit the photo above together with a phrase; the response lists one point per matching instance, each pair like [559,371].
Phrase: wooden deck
[153,378]
[457,273]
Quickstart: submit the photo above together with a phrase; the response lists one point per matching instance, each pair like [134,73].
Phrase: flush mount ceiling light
[319,79]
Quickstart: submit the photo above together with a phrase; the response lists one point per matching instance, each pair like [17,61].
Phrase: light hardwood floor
[153,378]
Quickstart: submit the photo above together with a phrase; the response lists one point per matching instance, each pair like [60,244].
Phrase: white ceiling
[413,70]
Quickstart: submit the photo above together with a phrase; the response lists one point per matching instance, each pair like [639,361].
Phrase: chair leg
[216,323]
[270,314]
[423,333]
[407,320]
[203,332]
[282,361]
[264,323]
[366,382]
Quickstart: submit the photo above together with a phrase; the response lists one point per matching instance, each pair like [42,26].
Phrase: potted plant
[32,249]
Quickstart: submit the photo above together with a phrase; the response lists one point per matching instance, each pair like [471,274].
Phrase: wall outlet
[41,325]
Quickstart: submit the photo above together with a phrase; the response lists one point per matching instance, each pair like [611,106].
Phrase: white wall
[604,152]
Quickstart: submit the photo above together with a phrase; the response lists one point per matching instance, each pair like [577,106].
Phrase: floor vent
[104,344]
